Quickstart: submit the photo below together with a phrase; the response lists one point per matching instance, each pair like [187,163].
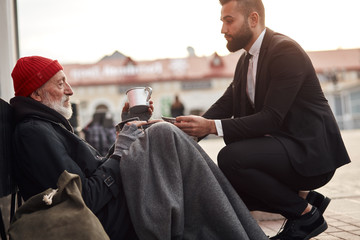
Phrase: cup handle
[149,92]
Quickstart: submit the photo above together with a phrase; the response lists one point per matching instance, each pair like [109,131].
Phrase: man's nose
[68,90]
[223,29]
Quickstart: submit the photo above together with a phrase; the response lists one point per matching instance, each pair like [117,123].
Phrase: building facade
[200,81]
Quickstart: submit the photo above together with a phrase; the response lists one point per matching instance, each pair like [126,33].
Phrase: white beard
[66,111]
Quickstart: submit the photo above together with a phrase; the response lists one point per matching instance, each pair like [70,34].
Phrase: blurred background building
[199,81]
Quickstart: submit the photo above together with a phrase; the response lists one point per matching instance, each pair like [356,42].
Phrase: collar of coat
[26,107]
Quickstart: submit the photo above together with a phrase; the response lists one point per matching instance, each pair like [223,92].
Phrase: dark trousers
[260,171]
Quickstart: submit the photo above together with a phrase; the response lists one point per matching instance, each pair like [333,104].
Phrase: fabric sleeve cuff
[111,169]
[219,128]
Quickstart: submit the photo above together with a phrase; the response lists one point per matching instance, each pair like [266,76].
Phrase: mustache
[65,98]
[228,37]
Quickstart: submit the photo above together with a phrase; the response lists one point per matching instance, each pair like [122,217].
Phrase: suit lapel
[261,76]
[239,89]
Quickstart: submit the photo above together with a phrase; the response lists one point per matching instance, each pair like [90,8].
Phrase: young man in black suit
[281,137]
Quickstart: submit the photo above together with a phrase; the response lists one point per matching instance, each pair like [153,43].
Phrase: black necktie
[248,69]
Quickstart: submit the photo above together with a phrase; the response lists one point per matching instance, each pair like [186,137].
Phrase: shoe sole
[324,204]
[317,231]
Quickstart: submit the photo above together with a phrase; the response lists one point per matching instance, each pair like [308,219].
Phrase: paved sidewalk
[343,213]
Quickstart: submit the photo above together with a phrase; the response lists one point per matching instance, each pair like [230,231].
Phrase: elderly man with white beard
[153,184]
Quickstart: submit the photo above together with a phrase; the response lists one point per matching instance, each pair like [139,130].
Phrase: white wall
[7,48]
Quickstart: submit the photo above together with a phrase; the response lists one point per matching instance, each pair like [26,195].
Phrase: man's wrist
[218,128]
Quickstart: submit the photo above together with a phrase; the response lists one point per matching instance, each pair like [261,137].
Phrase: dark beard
[240,39]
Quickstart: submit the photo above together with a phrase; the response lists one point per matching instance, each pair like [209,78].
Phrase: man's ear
[36,96]
[254,19]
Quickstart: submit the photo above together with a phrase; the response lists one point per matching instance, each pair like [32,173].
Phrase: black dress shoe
[318,200]
[305,227]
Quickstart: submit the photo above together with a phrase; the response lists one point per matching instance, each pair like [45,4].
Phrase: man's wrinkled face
[235,27]
[56,93]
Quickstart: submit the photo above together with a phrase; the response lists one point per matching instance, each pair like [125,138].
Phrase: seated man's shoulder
[32,126]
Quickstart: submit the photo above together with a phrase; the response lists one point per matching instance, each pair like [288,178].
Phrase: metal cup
[138,98]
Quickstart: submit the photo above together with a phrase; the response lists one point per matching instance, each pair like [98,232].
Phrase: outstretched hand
[196,126]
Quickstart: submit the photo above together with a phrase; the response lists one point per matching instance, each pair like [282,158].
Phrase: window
[338,105]
[355,102]
[196,85]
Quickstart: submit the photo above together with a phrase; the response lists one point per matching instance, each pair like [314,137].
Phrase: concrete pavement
[343,213]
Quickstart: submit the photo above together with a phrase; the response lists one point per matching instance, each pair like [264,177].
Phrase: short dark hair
[250,6]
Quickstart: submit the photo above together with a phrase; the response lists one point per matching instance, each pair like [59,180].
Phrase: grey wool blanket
[175,191]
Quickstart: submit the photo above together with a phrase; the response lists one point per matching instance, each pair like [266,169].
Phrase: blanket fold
[175,191]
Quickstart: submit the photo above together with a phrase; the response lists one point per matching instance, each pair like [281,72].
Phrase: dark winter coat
[45,146]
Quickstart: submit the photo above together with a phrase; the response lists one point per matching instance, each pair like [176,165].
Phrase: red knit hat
[30,73]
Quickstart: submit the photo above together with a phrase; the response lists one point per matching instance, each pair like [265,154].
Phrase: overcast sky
[83,31]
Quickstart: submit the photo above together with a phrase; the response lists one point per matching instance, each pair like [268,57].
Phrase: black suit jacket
[289,105]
